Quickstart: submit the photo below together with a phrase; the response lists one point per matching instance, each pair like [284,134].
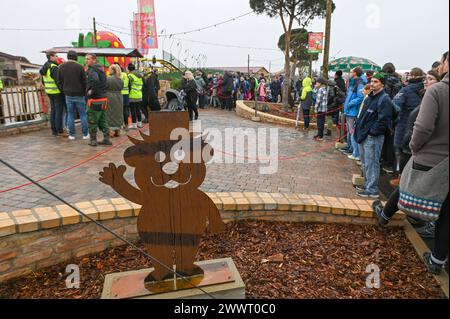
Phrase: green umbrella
[348,63]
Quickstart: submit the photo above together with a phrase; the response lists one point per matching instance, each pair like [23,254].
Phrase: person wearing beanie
[321,107]
[371,127]
[73,81]
[406,101]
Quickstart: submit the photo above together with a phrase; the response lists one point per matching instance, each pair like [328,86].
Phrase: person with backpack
[352,107]
[336,98]
[370,130]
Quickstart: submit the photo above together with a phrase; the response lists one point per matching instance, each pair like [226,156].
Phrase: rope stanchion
[121,142]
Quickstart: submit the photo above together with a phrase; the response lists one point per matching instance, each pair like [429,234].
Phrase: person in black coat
[151,89]
[227,90]
[189,87]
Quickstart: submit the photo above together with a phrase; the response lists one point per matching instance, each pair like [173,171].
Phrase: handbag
[422,194]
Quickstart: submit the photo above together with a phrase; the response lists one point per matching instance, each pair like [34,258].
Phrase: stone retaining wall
[244,111]
[34,239]
[25,127]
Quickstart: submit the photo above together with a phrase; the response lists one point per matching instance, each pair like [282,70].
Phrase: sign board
[315,42]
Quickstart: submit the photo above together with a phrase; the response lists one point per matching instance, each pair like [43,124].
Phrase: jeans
[65,114]
[321,117]
[56,113]
[77,103]
[371,158]
[354,148]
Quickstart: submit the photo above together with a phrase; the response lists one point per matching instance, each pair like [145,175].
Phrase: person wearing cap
[49,73]
[373,123]
[73,81]
[321,107]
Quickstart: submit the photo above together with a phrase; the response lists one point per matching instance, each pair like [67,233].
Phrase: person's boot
[106,140]
[378,210]
[93,141]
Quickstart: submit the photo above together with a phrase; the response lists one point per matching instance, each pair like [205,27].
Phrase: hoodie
[355,97]
[307,100]
[96,82]
[429,143]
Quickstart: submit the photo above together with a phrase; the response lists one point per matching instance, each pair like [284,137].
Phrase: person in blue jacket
[352,106]
[373,123]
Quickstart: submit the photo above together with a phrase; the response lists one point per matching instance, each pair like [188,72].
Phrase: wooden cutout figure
[175,213]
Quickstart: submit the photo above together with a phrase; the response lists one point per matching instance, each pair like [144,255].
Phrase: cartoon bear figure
[175,213]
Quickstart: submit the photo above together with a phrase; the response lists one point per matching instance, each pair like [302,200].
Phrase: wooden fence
[20,104]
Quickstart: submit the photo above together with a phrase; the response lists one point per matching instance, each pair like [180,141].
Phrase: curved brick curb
[246,112]
[42,237]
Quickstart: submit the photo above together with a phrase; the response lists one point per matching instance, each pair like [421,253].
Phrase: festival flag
[148,24]
[315,42]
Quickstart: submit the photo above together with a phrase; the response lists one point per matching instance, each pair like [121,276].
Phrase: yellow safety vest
[126,84]
[49,83]
[136,87]
[1,85]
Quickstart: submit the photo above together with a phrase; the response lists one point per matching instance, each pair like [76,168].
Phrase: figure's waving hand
[112,175]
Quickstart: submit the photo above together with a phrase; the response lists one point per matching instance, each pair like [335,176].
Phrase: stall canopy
[116,52]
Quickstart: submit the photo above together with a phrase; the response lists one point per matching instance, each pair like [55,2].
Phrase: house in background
[16,70]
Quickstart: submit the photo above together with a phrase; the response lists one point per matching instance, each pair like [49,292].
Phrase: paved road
[305,167]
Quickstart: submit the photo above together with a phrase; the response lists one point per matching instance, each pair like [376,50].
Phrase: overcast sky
[408,33]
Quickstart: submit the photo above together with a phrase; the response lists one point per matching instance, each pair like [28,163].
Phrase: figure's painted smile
[172,184]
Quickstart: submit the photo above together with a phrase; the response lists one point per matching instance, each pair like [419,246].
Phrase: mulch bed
[276,261]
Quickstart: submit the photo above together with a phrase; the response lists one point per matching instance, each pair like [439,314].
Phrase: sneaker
[348,153]
[87,137]
[318,139]
[428,231]
[353,158]
[133,126]
[72,138]
[344,150]
[140,125]
[360,188]
[366,194]
[388,170]
[432,267]
[378,210]
[415,222]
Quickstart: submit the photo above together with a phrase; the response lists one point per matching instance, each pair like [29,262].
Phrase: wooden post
[326,56]
[8,103]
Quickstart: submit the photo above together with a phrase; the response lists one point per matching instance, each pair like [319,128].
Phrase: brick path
[323,172]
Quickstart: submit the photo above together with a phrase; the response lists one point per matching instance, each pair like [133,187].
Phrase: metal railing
[19,104]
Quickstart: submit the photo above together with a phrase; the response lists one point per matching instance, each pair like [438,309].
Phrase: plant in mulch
[276,261]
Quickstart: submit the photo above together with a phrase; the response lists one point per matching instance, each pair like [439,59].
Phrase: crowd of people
[390,121]
[103,102]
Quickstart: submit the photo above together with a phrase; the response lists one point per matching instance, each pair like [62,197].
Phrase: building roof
[115,52]
[253,69]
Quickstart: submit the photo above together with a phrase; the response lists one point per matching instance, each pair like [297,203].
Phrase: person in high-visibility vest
[49,73]
[126,98]
[136,97]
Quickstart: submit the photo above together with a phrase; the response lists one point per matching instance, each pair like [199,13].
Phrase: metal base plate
[132,284]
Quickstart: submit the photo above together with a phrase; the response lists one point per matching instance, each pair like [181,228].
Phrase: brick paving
[319,170]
